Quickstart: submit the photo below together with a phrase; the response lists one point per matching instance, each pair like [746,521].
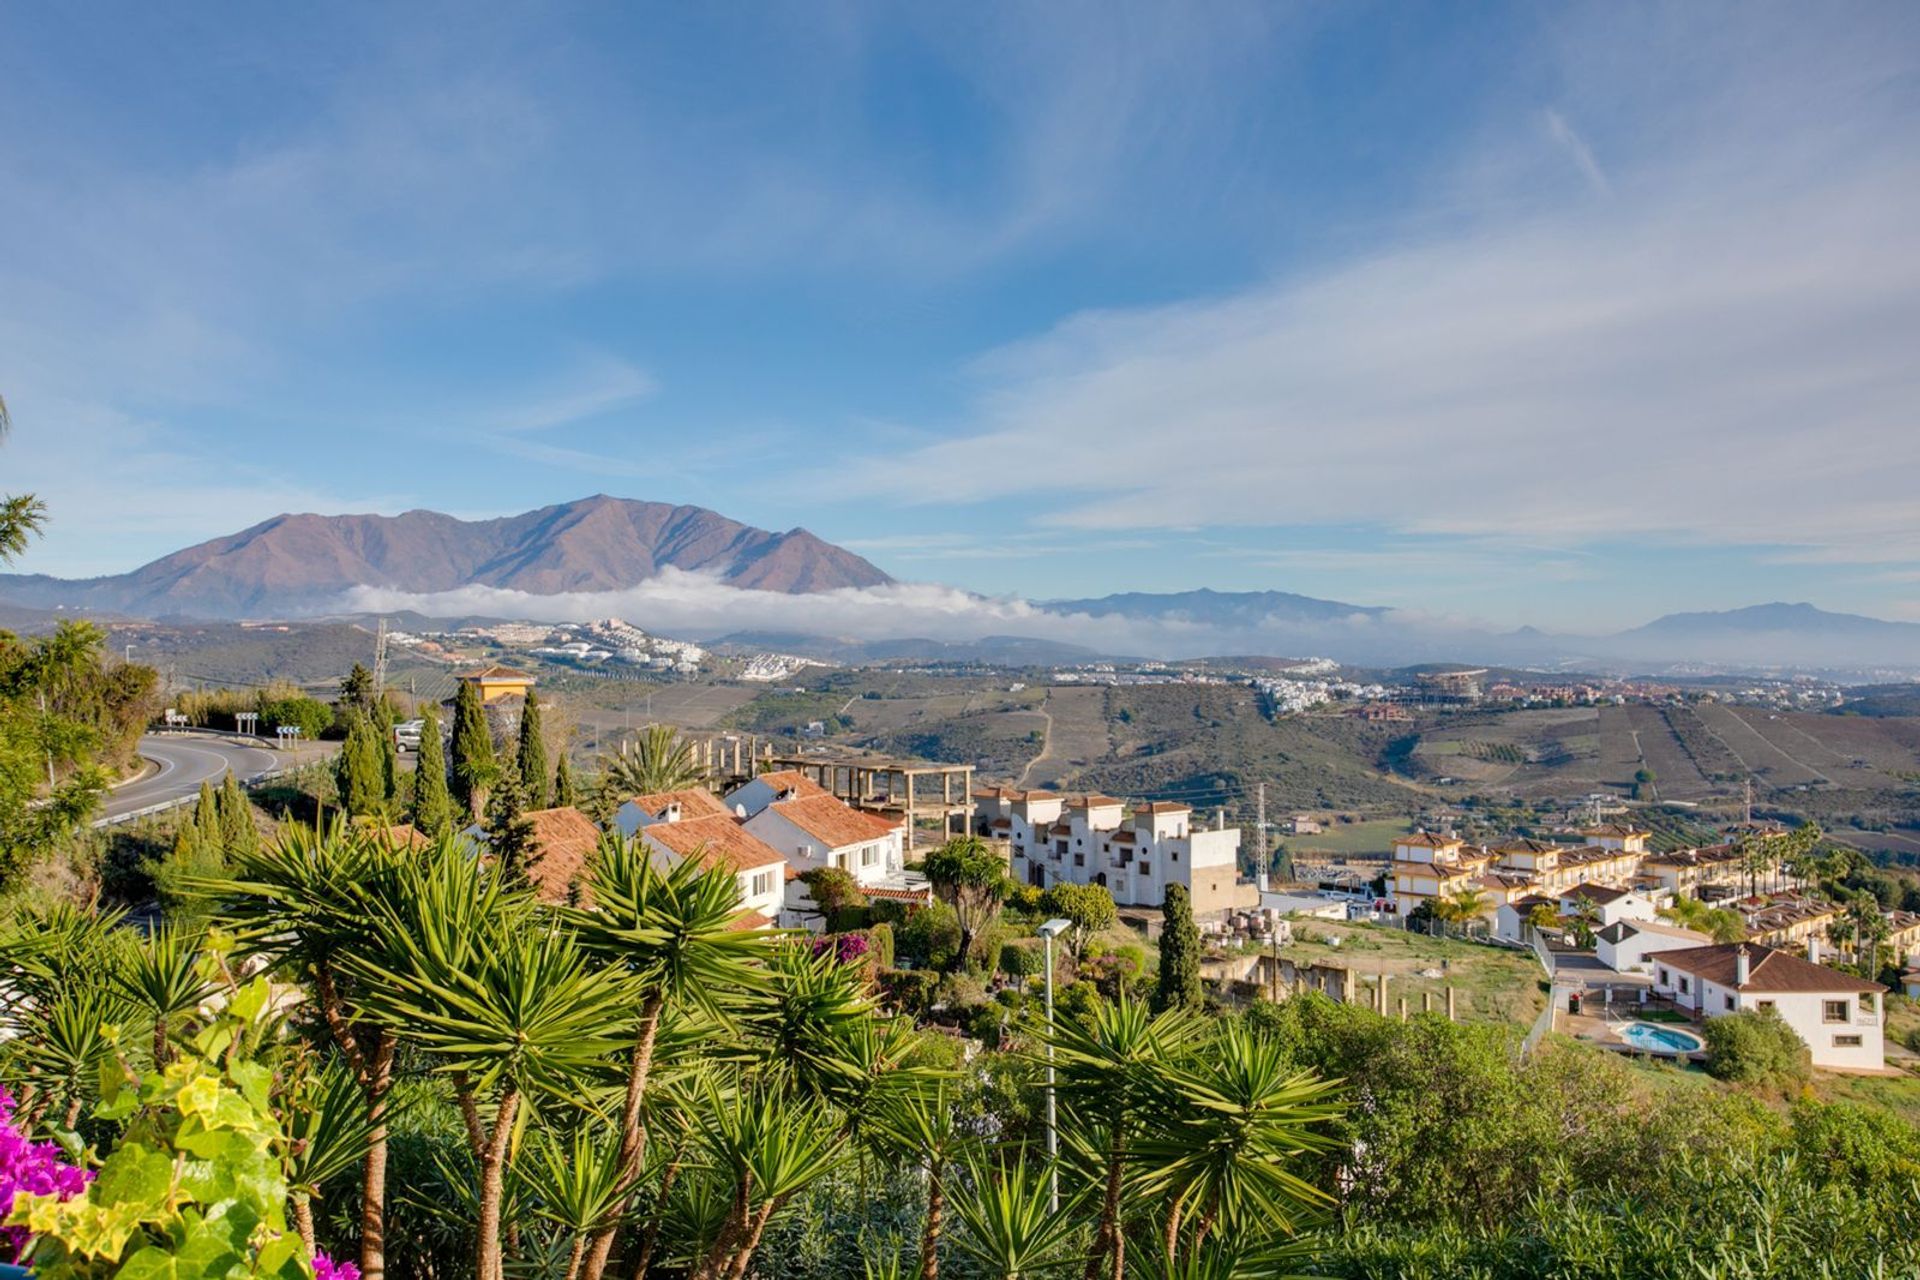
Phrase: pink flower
[325,1268]
[30,1168]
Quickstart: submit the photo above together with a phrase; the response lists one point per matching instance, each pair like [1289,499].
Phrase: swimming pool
[1650,1038]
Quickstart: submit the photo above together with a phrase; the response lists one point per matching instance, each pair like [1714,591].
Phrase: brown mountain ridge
[295,564]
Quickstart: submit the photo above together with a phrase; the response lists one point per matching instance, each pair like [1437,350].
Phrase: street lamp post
[1051,930]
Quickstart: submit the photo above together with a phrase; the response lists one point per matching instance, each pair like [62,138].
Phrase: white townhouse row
[1094,839]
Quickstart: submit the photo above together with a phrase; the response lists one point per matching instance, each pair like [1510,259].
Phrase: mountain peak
[297,562]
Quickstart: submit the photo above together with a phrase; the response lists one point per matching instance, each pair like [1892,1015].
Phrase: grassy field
[1491,984]
[1375,836]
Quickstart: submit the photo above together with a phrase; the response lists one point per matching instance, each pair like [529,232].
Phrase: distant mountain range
[302,565]
[292,564]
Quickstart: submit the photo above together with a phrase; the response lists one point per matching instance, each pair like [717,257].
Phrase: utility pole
[1748,811]
[1266,847]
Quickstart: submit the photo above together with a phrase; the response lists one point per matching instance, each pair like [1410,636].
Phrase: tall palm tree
[672,931]
[659,760]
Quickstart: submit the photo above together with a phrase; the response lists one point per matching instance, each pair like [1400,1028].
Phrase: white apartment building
[1837,1014]
[1092,839]
[819,831]
[693,824]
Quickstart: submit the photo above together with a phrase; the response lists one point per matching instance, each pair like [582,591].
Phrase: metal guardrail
[1542,1024]
[192,797]
[1543,953]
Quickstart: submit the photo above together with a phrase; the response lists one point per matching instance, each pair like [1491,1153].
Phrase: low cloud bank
[677,603]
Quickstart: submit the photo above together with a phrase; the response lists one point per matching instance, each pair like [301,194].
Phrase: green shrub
[909,990]
[880,939]
[1757,1049]
[930,937]
[1017,961]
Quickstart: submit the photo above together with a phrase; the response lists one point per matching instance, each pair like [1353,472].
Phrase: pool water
[1648,1038]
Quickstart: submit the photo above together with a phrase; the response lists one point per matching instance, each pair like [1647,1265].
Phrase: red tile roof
[563,840]
[1767,970]
[832,823]
[717,841]
[747,921]
[1162,806]
[496,672]
[405,836]
[792,780]
[693,802]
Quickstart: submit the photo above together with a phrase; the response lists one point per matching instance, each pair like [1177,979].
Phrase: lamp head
[1054,928]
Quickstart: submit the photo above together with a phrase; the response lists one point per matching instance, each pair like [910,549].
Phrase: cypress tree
[1179,986]
[357,771]
[531,756]
[509,832]
[563,789]
[356,691]
[206,818]
[432,810]
[474,767]
[237,831]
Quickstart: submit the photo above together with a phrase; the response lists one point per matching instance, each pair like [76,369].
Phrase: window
[1686,986]
[1173,855]
[1731,1004]
[869,856]
[1834,1010]
[1847,1042]
[1665,981]
[1765,1006]
[762,884]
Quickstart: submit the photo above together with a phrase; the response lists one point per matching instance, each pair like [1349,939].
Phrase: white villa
[693,824]
[1092,839]
[1838,1015]
[1624,945]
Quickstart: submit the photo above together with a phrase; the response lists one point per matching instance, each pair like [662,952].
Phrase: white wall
[1804,1012]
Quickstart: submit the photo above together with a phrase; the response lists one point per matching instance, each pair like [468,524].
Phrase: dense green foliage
[1757,1048]
[430,809]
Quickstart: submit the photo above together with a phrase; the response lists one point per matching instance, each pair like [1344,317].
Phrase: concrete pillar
[1426,1002]
[1383,995]
[1403,1008]
[1449,1003]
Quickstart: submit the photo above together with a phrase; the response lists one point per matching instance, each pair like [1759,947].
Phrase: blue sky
[1571,315]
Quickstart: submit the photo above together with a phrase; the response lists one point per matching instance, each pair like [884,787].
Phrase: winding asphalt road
[185,761]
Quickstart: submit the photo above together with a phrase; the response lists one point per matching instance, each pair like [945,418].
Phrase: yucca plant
[1222,1153]
[921,1125]
[64,1046]
[671,932]
[576,1182]
[1006,1229]
[165,978]
[329,1130]
[769,1147]
[1111,1081]
[307,902]
[509,1005]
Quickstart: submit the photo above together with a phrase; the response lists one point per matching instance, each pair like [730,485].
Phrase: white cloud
[1722,353]
[690,604]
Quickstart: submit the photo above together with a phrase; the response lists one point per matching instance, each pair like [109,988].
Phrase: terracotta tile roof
[1422,840]
[718,841]
[832,823]
[1092,801]
[1028,797]
[747,921]
[898,895]
[1527,845]
[563,840]
[1060,829]
[795,781]
[1615,830]
[1767,970]
[693,802]
[496,672]
[998,793]
[1162,806]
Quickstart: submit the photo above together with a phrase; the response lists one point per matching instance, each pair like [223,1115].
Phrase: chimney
[1742,970]
[788,793]
[1219,819]
[1813,949]
[673,812]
